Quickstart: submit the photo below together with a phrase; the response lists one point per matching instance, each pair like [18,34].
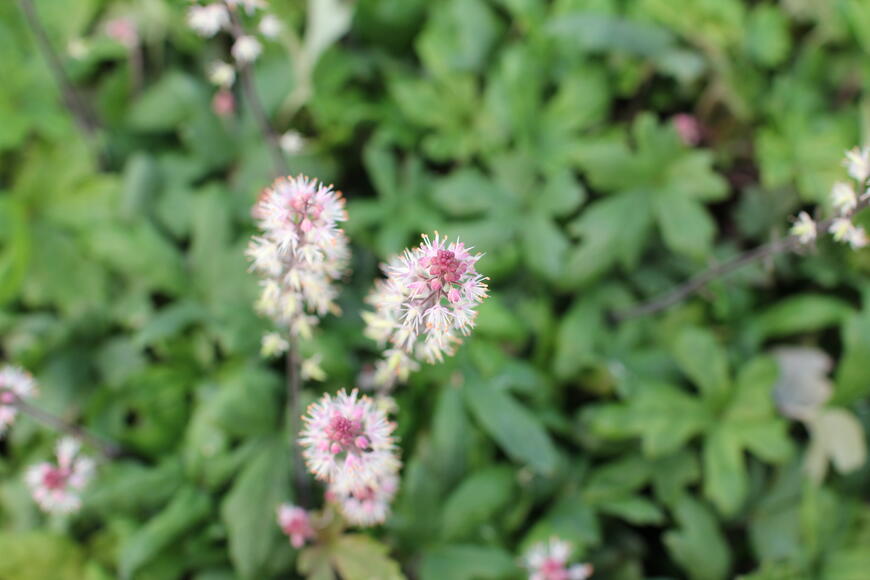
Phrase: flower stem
[109,449]
[790,243]
[249,88]
[294,418]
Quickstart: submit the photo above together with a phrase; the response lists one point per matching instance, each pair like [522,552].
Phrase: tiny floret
[246,49]
[270,26]
[549,561]
[843,198]
[291,142]
[208,20]
[368,505]
[429,298]
[858,164]
[295,522]
[222,74]
[56,488]
[804,228]
[15,384]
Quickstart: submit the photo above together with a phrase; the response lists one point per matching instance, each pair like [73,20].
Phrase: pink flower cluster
[300,252]
[295,522]
[15,384]
[348,443]
[56,487]
[549,561]
[427,300]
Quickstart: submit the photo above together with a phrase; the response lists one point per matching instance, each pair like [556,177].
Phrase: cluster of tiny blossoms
[427,300]
[348,443]
[16,384]
[299,253]
[549,561]
[56,487]
[846,200]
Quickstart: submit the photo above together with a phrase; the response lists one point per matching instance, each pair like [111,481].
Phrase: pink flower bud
[335,448]
[453,295]
[362,442]
[306,225]
[223,104]
[435,284]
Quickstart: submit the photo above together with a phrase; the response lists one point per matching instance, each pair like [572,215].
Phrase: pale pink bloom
[123,31]
[300,252]
[295,522]
[57,488]
[858,164]
[804,228]
[688,128]
[348,442]
[209,19]
[367,505]
[246,49]
[15,384]
[223,104]
[843,198]
[549,561]
[427,300]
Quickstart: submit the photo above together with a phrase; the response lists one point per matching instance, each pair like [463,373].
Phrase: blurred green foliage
[540,132]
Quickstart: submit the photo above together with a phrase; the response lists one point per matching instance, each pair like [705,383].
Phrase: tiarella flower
[57,488]
[858,164]
[549,561]
[311,370]
[273,344]
[292,142]
[348,442]
[246,49]
[368,505]
[223,104]
[295,522]
[300,252]
[15,384]
[688,128]
[857,238]
[208,20]
[841,229]
[427,300]
[222,74]
[804,228]
[270,26]
[843,198]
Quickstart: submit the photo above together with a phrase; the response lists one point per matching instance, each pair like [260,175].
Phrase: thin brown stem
[294,420]
[109,449]
[249,88]
[787,244]
[71,98]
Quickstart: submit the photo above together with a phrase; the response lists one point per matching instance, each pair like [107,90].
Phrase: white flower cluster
[846,201]
[56,488]
[15,384]
[549,561]
[209,19]
[299,253]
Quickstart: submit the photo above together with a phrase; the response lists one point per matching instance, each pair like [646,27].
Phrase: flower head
[246,49]
[549,561]
[348,442]
[209,19]
[804,228]
[843,198]
[428,298]
[858,163]
[295,522]
[15,384]
[56,488]
[300,252]
[368,505]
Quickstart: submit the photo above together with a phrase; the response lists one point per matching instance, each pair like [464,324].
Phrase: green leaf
[36,555]
[698,545]
[188,508]
[519,433]
[458,36]
[636,510]
[15,248]
[686,226]
[704,361]
[466,562]
[248,510]
[168,103]
[466,192]
[544,247]
[477,500]
[725,480]
[578,334]
[802,313]
[361,557]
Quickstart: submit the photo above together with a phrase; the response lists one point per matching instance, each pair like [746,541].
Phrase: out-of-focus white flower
[15,384]
[246,49]
[348,442]
[295,522]
[857,238]
[368,505]
[292,142]
[804,228]
[57,488]
[222,74]
[858,163]
[843,198]
[311,369]
[208,20]
[270,26]
[300,252]
[549,561]
[430,296]
[273,344]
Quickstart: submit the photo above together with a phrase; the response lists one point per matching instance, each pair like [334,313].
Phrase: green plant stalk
[302,484]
